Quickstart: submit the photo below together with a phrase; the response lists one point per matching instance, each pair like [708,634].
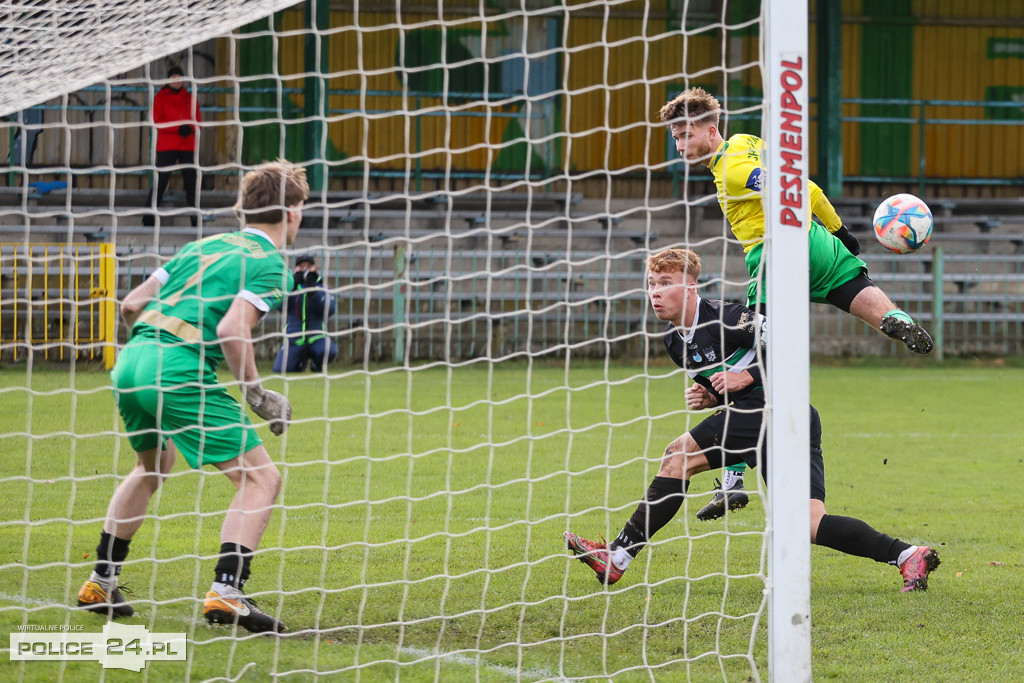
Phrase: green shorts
[831,265]
[166,392]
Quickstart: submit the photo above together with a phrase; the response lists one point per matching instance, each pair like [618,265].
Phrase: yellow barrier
[58,301]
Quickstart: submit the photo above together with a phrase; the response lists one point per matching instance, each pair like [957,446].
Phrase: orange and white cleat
[230,606]
[95,598]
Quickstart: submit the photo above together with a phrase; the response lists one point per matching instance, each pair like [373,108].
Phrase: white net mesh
[51,47]
[487,183]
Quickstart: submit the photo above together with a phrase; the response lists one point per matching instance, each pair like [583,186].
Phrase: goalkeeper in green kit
[837,276]
[185,319]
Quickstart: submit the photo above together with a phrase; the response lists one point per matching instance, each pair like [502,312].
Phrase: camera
[307,278]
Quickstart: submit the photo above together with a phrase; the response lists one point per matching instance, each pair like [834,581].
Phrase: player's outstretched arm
[826,213]
[822,208]
[848,239]
[235,334]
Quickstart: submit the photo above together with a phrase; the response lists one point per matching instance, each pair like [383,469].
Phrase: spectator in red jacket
[175,115]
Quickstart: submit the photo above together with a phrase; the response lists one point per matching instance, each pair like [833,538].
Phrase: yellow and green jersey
[201,282]
[736,166]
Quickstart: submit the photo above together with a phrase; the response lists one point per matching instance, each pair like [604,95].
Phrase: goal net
[487,180]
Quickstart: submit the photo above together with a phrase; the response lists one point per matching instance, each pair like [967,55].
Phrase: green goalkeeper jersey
[201,282]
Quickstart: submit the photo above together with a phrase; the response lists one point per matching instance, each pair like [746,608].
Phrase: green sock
[899,315]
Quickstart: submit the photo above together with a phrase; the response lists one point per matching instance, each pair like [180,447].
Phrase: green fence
[399,300]
[921,117]
[924,114]
[971,303]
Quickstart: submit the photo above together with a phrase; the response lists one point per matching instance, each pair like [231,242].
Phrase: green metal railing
[922,121]
[970,303]
[135,100]
[397,302]
[927,113]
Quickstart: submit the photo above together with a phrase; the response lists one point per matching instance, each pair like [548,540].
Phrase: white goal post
[787,218]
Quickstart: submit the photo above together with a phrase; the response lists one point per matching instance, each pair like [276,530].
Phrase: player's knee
[152,467]
[681,446]
[673,460]
[270,481]
[291,358]
[262,485]
[679,459]
[151,479]
[817,513]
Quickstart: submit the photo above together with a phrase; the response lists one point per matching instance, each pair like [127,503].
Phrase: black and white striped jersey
[724,336]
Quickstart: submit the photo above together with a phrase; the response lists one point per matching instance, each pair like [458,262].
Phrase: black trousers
[164,160]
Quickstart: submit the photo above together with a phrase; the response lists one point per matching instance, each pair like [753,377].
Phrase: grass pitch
[419,530]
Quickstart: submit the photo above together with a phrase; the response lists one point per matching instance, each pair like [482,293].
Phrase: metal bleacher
[475,265]
[92,214]
[511,299]
[517,271]
[978,224]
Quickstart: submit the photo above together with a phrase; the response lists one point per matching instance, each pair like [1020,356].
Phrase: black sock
[110,553]
[661,504]
[855,537]
[233,566]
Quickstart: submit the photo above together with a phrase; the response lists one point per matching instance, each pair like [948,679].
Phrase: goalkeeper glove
[271,406]
[844,235]
[185,130]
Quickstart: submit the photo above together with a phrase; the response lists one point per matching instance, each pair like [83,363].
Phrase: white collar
[258,232]
[688,337]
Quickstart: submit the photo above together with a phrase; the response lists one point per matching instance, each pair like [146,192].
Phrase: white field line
[511,672]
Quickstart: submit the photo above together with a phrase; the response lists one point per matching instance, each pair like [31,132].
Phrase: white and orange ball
[903,223]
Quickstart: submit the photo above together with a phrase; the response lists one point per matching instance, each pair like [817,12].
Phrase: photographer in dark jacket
[305,311]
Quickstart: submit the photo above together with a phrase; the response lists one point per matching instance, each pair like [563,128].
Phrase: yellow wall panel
[616,75]
[850,88]
[952,10]
[952,64]
[618,87]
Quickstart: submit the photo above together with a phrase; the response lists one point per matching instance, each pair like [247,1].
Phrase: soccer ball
[903,223]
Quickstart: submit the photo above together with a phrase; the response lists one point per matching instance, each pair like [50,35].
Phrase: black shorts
[735,434]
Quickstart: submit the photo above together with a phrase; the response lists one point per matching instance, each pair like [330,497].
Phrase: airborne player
[837,276]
